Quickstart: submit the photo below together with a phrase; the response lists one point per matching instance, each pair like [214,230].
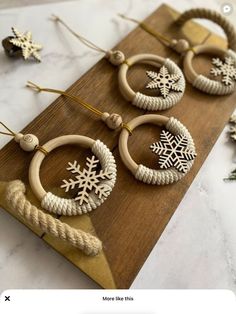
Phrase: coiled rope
[16,199]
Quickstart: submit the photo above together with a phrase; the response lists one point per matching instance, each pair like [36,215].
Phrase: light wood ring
[154,60]
[34,169]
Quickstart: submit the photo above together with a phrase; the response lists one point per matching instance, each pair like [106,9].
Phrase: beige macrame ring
[62,206]
[149,102]
[202,82]
[145,174]
[16,199]
[213,16]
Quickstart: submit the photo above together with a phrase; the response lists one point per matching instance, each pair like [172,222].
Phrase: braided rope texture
[69,207]
[213,87]
[16,199]
[169,176]
[151,103]
[213,16]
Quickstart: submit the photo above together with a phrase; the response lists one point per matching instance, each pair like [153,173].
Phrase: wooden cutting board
[131,221]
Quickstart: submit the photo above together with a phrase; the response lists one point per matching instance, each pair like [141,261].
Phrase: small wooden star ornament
[22,42]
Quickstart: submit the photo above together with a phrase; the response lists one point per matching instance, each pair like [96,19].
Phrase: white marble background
[198,247]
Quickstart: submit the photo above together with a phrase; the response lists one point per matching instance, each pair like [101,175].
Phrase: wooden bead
[114,121]
[116,57]
[105,115]
[181,46]
[173,42]
[18,137]
[28,142]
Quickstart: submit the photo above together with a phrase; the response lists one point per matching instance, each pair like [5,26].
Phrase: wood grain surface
[131,221]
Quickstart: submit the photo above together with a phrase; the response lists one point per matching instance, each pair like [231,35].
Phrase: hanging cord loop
[84,40]
[11,133]
[165,40]
[180,46]
[28,142]
[60,92]
[115,57]
[113,121]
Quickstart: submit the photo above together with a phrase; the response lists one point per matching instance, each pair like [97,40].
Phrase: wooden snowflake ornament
[175,148]
[28,47]
[226,69]
[173,151]
[87,180]
[164,81]
[94,186]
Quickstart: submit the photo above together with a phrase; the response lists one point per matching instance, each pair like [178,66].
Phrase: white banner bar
[118,302]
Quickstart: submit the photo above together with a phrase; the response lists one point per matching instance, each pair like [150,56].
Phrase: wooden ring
[149,102]
[63,206]
[142,173]
[200,81]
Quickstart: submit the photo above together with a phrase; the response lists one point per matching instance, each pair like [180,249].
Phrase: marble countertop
[198,247]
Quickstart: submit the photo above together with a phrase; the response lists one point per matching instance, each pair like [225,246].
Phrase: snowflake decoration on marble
[173,151]
[164,81]
[87,180]
[24,41]
[224,68]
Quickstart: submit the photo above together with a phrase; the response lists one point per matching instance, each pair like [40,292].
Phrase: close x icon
[7,298]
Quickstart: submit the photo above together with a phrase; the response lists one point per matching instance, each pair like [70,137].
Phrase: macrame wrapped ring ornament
[170,82]
[93,186]
[176,150]
[224,61]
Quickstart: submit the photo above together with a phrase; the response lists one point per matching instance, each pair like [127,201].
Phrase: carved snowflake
[173,151]
[164,81]
[87,180]
[224,68]
[24,41]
